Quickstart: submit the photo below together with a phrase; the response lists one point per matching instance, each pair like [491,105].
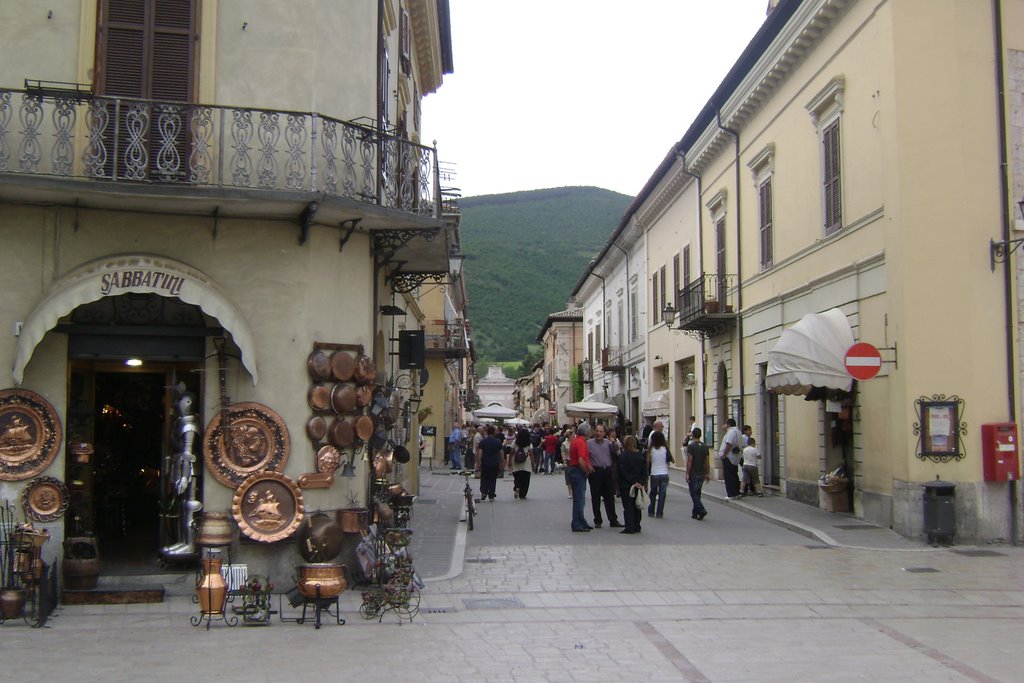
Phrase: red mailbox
[999,451]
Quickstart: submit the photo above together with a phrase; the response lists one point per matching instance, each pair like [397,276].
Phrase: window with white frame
[826,109]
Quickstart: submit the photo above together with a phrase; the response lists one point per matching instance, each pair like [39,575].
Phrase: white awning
[132,273]
[811,353]
[657,404]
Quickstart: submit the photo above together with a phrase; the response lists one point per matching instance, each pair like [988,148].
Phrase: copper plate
[343,398]
[342,365]
[268,507]
[319,398]
[328,459]
[30,434]
[319,365]
[340,433]
[258,441]
[366,371]
[45,499]
[316,428]
[364,427]
[364,395]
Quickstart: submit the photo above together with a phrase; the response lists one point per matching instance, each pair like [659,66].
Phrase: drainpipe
[604,323]
[1004,206]
[626,256]
[700,256]
[739,252]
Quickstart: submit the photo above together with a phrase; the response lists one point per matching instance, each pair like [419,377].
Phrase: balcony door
[146,50]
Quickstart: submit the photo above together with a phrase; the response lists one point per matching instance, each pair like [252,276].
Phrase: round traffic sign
[863,361]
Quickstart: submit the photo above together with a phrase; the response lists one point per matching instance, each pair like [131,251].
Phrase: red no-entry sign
[863,361]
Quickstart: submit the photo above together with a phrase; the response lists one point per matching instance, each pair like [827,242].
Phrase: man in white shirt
[729,453]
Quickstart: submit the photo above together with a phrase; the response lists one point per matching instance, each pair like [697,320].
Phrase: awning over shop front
[657,404]
[132,273]
[810,354]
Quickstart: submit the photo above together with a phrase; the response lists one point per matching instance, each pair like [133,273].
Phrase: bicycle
[470,504]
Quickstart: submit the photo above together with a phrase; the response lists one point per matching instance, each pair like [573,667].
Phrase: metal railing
[707,295]
[448,337]
[126,140]
[612,358]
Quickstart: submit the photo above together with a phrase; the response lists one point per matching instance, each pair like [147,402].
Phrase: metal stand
[319,605]
[211,615]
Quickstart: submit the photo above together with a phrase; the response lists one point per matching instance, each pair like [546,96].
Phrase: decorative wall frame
[940,428]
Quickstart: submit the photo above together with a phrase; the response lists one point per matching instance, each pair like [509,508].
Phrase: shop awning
[132,273]
[656,404]
[810,354]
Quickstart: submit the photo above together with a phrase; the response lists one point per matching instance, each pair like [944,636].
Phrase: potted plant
[256,600]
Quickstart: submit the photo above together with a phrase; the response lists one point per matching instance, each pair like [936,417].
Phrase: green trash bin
[939,511]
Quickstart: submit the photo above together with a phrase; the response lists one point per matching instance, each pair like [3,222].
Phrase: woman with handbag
[519,465]
[658,459]
[632,477]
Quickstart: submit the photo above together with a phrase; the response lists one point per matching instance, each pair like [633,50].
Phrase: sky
[550,93]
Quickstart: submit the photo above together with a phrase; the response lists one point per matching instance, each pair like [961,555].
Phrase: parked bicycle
[470,503]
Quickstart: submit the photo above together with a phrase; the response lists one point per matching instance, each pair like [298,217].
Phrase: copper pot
[211,589]
[316,428]
[319,365]
[396,490]
[352,520]
[319,398]
[214,529]
[343,398]
[321,579]
[364,395]
[364,427]
[366,371]
[380,466]
[343,366]
[340,433]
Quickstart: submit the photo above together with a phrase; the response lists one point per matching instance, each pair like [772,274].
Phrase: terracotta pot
[211,589]
[214,529]
[81,566]
[321,579]
[352,520]
[12,602]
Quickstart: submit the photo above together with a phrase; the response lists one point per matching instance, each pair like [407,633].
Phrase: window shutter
[654,297]
[766,223]
[833,196]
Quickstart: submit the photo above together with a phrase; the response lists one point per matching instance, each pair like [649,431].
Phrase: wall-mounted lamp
[455,259]
[668,315]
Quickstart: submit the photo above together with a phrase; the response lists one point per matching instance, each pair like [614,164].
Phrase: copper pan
[316,428]
[343,365]
[319,397]
[364,427]
[319,365]
[366,371]
[343,398]
[364,395]
[340,433]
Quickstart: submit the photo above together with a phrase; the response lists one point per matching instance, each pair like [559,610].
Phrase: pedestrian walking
[751,459]
[519,465]
[488,458]
[550,451]
[455,448]
[564,442]
[658,459]
[536,447]
[729,454]
[632,471]
[578,467]
[602,478]
[698,471]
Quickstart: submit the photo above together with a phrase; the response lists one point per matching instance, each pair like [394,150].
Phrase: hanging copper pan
[319,365]
[343,365]
[340,433]
[364,427]
[364,395]
[343,398]
[316,428]
[366,371]
[319,397]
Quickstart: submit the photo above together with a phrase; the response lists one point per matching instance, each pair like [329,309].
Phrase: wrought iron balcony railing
[125,140]
[446,339]
[612,358]
[705,305]
[586,372]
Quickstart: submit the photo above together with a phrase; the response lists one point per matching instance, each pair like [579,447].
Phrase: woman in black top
[632,470]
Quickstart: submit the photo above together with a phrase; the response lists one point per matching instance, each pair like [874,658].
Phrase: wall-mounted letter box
[999,451]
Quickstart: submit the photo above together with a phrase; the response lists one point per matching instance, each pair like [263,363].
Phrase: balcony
[115,152]
[446,340]
[705,306]
[612,358]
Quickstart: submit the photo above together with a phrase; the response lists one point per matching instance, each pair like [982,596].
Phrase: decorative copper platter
[319,364]
[268,507]
[328,459]
[366,371]
[30,434]
[45,499]
[343,365]
[258,441]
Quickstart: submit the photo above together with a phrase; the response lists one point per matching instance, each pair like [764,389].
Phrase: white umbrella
[591,409]
[518,422]
[496,411]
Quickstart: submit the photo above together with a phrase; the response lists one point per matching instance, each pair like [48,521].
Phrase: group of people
[595,457]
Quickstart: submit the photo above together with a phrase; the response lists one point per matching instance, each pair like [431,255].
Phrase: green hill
[524,253]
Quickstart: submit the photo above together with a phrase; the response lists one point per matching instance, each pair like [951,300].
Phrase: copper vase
[211,589]
[12,602]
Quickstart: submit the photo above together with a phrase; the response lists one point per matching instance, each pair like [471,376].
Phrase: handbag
[640,496]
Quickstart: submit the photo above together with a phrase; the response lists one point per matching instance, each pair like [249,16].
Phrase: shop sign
[157,280]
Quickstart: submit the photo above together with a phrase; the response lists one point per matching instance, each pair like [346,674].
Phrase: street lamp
[455,259]
[668,315]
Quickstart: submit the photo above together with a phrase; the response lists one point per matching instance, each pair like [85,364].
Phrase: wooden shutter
[765,192]
[720,247]
[654,298]
[833,193]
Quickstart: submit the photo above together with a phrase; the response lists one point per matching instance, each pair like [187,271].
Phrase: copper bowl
[321,579]
[396,490]
[352,520]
